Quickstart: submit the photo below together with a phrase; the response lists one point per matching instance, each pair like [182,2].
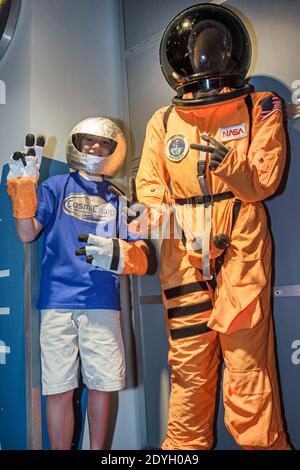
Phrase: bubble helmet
[205,50]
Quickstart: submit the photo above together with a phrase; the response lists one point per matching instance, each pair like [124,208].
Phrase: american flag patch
[270,105]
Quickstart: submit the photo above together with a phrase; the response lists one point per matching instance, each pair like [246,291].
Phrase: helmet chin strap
[94,163]
[212,99]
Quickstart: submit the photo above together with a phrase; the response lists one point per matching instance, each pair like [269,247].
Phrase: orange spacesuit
[228,309]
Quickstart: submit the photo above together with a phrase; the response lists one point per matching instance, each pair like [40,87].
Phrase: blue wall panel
[12,327]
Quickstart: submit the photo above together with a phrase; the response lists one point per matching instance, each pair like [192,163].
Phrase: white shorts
[90,338]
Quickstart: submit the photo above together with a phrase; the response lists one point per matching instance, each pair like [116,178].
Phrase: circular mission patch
[176,148]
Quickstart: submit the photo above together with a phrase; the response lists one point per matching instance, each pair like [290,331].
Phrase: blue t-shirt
[69,205]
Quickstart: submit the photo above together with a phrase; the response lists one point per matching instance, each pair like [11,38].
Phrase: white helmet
[100,127]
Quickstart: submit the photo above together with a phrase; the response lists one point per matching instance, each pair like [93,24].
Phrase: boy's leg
[59,356]
[99,411]
[102,366]
[60,420]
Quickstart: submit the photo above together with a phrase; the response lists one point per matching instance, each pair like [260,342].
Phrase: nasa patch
[176,148]
[233,132]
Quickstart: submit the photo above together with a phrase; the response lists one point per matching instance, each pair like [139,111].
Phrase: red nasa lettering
[233,132]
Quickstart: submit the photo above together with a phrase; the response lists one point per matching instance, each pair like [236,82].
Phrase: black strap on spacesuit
[189,309]
[188,331]
[116,255]
[185,289]
[249,104]
[205,199]
[151,258]
[166,116]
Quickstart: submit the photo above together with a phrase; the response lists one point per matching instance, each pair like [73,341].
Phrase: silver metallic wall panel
[10,25]
[287,291]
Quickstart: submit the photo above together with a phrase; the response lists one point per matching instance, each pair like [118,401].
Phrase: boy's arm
[28,229]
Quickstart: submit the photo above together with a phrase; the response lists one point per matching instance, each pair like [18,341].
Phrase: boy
[80,303]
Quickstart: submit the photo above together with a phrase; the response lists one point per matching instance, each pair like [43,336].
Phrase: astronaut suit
[218,151]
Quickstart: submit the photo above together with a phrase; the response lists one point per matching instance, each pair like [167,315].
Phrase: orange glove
[23,196]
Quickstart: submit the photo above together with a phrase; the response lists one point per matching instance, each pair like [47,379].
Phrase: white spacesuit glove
[104,253]
[27,163]
[17,168]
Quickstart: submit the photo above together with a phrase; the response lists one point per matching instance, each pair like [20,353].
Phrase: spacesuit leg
[194,364]
[250,385]
[193,354]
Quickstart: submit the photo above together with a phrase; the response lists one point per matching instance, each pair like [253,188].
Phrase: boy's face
[93,145]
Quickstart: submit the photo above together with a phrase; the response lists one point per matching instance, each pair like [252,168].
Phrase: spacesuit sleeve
[256,176]
[137,257]
[152,178]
